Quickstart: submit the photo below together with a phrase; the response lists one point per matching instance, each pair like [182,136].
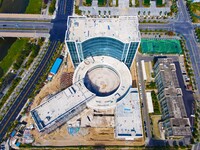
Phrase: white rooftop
[122,71]
[124,28]
[128,122]
[149,102]
[62,102]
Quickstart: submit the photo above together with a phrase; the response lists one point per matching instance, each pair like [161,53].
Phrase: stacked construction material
[66,80]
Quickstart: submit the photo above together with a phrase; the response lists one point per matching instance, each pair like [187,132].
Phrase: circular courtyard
[102,80]
[107,77]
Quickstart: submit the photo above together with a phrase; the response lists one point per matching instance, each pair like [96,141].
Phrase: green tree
[101,2]
[159,2]
[146,2]
[88,2]
[1,72]
[52,6]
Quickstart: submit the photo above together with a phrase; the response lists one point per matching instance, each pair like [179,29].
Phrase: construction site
[90,127]
[91,95]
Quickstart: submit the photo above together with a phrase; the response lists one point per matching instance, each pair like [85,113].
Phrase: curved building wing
[103,37]
[100,46]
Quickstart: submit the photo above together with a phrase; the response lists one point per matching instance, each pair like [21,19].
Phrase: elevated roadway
[28,25]
[15,25]
[36,17]
[25,29]
[24,33]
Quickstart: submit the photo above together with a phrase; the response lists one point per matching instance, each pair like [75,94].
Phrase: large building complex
[176,124]
[101,50]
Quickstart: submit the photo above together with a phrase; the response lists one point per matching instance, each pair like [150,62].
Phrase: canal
[13,6]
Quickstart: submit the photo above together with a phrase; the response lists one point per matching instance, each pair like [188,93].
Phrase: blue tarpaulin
[17,144]
[56,66]
[13,133]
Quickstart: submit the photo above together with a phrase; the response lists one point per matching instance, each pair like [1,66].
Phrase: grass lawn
[195,8]
[101,3]
[5,44]
[12,54]
[89,2]
[197,30]
[34,7]
[147,2]
[155,119]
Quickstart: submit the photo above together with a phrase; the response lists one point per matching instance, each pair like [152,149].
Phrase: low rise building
[51,114]
[128,122]
[175,121]
[149,102]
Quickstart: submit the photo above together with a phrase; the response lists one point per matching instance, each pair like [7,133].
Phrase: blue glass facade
[103,46]
[125,52]
[73,52]
[99,46]
[131,53]
[80,52]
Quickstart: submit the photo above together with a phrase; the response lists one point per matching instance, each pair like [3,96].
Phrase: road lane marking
[46,60]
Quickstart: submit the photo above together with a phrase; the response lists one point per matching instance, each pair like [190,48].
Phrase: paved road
[25,17]
[196,146]
[22,98]
[187,95]
[25,25]
[184,26]
[25,29]
[188,101]
[24,33]
[143,99]
[140,3]
[65,9]
[145,114]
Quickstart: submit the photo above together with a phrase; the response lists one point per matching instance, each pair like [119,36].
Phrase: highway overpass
[24,33]
[25,29]
[37,17]
[25,25]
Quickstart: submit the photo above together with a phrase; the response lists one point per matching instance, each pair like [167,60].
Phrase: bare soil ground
[148,71]
[79,1]
[155,119]
[134,74]
[86,136]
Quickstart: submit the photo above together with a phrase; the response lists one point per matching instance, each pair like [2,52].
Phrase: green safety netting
[161,46]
